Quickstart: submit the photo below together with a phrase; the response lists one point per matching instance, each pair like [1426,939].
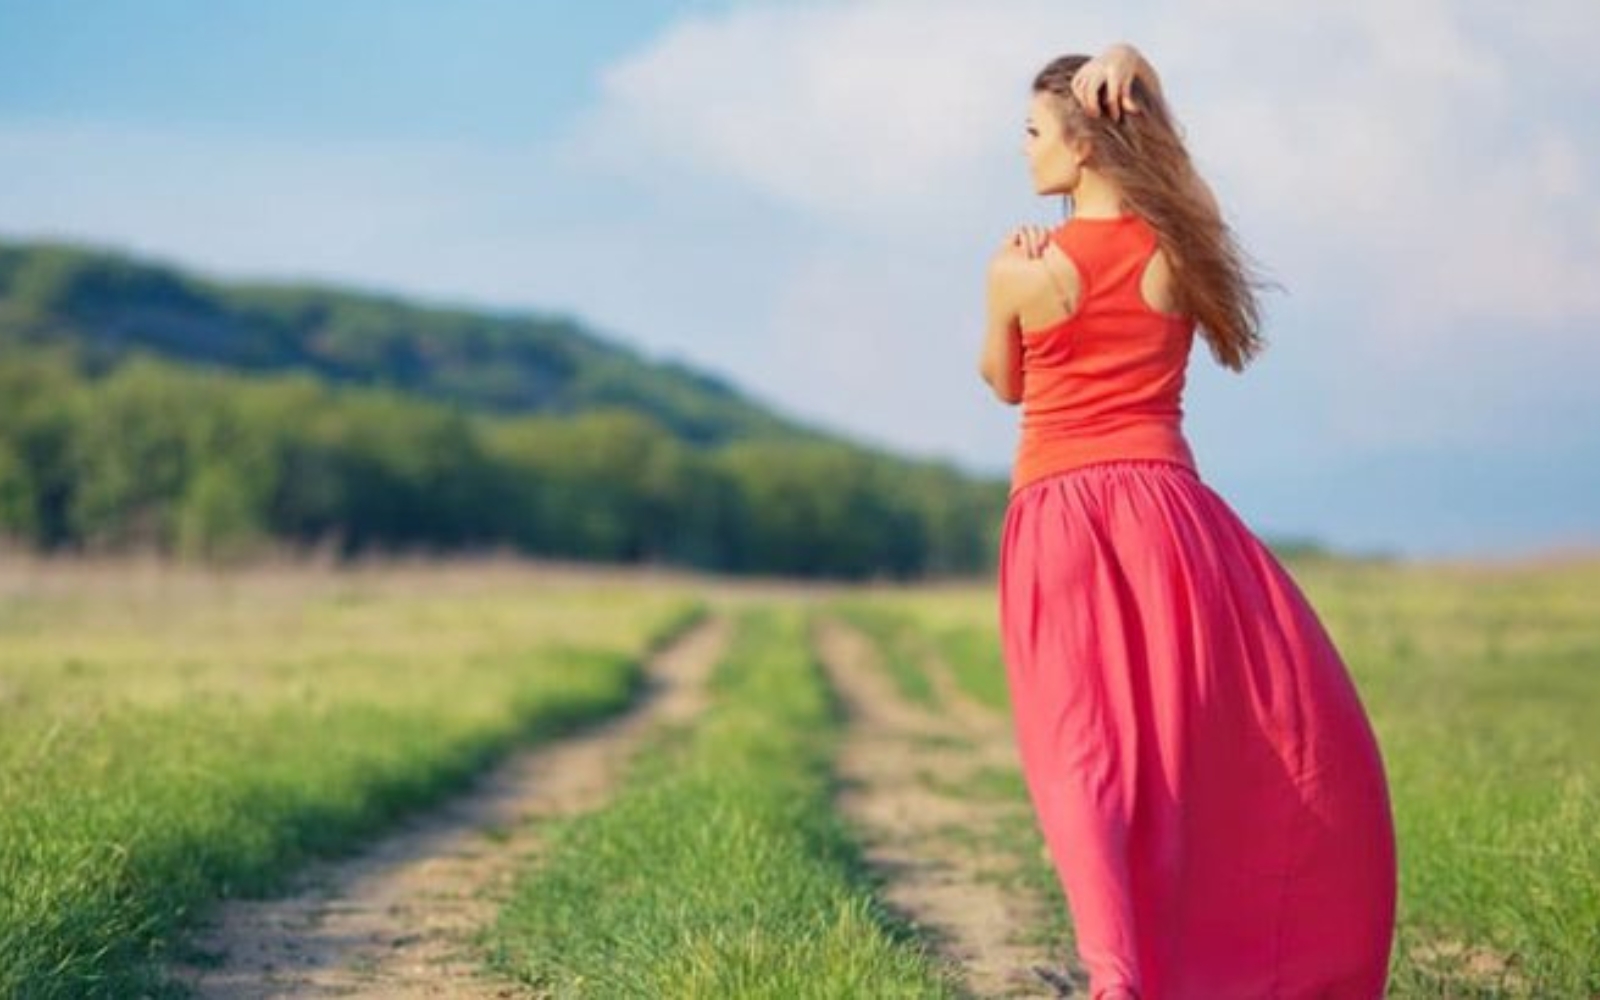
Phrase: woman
[1201,767]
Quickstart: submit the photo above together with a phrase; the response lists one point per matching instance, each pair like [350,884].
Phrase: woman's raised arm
[1108,78]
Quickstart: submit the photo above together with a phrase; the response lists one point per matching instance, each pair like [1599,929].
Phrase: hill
[104,307]
[145,408]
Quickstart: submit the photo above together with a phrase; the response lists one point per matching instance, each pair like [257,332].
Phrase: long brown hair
[1144,156]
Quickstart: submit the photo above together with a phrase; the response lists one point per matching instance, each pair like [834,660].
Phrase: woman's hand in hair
[1105,83]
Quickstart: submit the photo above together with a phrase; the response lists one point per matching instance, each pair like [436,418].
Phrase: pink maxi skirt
[1202,769]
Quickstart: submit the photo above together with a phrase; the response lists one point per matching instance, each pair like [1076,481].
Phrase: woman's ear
[1080,148]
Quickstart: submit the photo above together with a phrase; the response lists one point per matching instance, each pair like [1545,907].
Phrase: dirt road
[904,769]
[398,921]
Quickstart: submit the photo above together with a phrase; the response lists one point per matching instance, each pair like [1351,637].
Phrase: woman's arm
[1109,77]
[1000,362]
[1023,283]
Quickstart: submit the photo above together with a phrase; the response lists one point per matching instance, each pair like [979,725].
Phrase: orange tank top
[1107,381]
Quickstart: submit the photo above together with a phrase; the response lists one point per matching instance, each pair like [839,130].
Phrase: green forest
[144,409]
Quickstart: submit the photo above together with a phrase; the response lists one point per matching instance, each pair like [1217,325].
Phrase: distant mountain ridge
[104,306]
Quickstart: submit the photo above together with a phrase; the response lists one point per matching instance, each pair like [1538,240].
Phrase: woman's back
[1105,381]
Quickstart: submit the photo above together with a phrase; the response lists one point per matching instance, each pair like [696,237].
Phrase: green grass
[143,778]
[168,740]
[974,658]
[983,784]
[901,646]
[721,869]
[1485,690]
[955,626]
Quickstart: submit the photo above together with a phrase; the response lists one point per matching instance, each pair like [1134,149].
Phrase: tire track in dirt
[398,921]
[923,839]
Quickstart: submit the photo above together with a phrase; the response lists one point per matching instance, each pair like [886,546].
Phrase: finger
[1091,99]
[1126,100]
[1116,86]
[1086,88]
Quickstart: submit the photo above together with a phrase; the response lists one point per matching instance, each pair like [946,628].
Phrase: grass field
[169,738]
[720,870]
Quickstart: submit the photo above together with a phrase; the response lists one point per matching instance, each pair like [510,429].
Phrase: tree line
[216,464]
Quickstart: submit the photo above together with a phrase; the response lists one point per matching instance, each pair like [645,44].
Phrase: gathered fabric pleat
[1199,761]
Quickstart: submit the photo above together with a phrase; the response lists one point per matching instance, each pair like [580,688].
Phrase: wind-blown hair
[1144,156]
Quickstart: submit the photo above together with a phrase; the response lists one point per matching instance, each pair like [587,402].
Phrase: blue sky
[801,195]
[489,70]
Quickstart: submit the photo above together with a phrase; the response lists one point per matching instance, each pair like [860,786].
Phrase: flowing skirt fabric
[1199,762]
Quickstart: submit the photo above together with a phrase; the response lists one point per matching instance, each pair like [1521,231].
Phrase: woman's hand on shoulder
[1024,241]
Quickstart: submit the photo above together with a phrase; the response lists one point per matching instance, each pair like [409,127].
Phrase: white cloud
[877,111]
[1388,144]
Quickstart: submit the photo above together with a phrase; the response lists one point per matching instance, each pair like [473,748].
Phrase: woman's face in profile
[1053,162]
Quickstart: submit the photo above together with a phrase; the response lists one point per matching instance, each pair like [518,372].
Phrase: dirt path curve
[899,766]
[396,922]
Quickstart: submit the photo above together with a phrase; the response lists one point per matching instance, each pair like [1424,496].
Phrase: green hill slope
[104,307]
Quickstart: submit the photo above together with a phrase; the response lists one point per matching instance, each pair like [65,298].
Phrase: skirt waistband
[1111,466]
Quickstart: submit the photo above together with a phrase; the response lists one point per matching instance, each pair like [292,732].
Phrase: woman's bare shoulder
[1041,290]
